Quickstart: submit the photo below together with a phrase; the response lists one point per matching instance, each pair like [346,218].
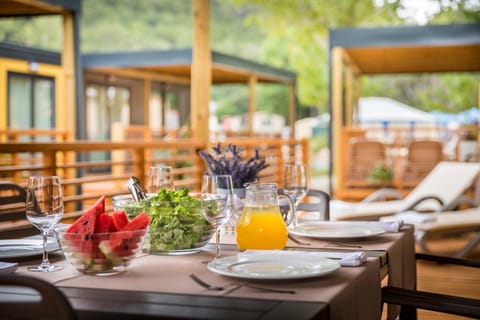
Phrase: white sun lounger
[447,182]
[441,224]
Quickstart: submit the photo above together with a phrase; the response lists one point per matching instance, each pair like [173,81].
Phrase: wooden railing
[90,169]
[31,135]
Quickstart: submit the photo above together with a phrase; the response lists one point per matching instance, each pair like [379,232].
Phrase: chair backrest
[364,155]
[447,181]
[52,305]
[422,157]
[12,211]
[321,204]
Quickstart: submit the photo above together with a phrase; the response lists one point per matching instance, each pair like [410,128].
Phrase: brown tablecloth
[399,246]
[352,293]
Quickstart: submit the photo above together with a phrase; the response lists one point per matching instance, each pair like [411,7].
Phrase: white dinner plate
[336,230]
[15,248]
[271,267]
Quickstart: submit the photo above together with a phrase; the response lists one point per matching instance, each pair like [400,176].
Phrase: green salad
[176,221]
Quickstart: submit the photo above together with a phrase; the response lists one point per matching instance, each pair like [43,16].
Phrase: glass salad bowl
[101,253]
[176,226]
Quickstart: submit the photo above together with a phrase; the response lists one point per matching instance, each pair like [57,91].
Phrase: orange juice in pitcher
[261,225]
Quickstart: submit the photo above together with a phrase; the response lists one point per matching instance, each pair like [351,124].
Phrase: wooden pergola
[176,66]
[197,67]
[357,52]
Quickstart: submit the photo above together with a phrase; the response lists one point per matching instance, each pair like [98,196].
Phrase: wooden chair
[411,300]
[12,212]
[52,305]
[422,157]
[363,157]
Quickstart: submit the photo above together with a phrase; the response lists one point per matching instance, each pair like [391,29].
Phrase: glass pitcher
[261,225]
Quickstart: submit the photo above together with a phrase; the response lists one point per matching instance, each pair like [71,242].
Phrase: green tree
[297,34]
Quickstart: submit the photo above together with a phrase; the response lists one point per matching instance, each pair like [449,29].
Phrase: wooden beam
[252,103]
[3,95]
[349,92]
[142,74]
[478,122]
[337,116]
[292,108]
[201,74]
[68,103]
[147,92]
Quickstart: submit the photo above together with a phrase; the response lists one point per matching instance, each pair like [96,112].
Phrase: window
[31,101]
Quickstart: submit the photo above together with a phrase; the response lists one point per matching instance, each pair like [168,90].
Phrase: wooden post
[201,70]
[478,123]
[337,117]
[292,108]
[349,92]
[67,105]
[252,103]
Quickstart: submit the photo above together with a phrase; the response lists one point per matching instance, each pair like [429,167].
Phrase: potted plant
[381,174]
[229,161]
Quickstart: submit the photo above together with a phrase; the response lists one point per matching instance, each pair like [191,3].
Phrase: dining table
[160,286]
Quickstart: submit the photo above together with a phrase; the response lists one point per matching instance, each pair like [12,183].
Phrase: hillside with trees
[290,34]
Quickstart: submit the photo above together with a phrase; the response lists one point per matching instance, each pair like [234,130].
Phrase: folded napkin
[388,226]
[413,217]
[8,267]
[347,259]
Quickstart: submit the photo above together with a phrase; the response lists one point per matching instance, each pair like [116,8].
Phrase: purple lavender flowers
[229,161]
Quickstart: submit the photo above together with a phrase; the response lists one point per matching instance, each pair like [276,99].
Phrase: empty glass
[159,177]
[295,182]
[217,203]
[44,208]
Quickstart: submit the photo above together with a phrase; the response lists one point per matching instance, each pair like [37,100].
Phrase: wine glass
[159,177]
[217,203]
[44,207]
[295,182]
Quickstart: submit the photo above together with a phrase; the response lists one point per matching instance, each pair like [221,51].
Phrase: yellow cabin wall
[21,66]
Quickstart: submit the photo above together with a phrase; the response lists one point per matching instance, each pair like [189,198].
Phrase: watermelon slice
[123,242]
[86,223]
[119,220]
[138,223]
[104,223]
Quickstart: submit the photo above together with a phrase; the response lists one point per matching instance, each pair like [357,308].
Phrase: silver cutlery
[206,285]
[297,241]
[236,286]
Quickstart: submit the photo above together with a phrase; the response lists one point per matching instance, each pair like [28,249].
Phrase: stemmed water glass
[295,182]
[217,203]
[44,207]
[159,177]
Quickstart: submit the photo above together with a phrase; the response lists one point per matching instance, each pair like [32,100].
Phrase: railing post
[305,143]
[139,163]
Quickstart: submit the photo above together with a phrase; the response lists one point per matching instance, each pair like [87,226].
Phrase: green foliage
[290,34]
[381,174]
[25,31]
[453,92]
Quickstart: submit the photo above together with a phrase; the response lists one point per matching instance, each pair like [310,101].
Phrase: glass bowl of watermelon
[101,243]
[177,225]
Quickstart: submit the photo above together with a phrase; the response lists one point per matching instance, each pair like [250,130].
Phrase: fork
[297,241]
[221,288]
[206,285]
